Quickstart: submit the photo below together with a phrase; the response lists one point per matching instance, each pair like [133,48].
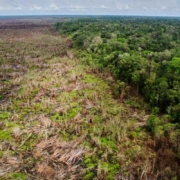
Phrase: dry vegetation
[58,120]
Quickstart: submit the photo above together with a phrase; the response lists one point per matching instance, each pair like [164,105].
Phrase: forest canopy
[142,52]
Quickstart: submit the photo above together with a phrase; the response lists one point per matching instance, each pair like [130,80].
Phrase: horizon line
[137,15]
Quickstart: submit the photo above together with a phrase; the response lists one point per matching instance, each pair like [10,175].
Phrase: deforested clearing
[64,117]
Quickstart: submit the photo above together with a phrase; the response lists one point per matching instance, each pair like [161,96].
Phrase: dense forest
[143,55]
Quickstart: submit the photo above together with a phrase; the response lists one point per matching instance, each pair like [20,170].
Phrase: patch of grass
[4,115]
[28,142]
[90,164]
[109,170]
[57,117]
[72,112]
[71,95]
[5,135]
[89,175]
[16,176]
[108,143]
[88,78]
[96,168]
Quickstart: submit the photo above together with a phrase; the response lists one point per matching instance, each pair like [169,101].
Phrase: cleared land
[59,120]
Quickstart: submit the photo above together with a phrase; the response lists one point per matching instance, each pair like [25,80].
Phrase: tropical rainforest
[94,97]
